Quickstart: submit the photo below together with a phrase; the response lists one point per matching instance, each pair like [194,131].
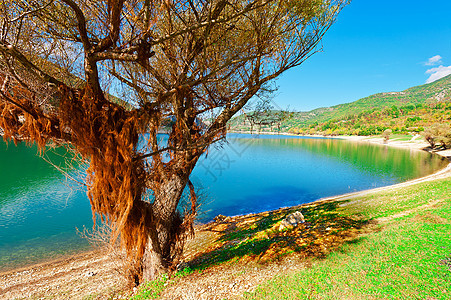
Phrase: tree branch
[114,9]
[12,51]
[122,56]
[81,22]
[24,14]
[194,146]
[251,6]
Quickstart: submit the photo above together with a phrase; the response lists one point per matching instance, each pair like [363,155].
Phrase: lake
[40,209]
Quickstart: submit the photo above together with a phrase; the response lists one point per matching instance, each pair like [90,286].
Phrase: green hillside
[406,111]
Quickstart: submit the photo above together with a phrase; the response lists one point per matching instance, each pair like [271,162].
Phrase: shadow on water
[258,238]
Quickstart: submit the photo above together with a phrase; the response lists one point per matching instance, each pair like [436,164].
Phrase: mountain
[439,90]
[405,111]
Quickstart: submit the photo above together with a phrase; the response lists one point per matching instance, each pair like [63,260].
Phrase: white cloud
[437,73]
[434,60]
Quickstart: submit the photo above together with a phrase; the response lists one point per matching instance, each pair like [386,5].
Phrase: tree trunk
[153,263]
[157,257]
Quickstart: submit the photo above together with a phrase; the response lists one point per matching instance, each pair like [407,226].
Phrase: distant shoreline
[415,144]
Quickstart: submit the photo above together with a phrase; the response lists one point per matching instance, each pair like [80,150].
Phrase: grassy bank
[390,244]
[409,256]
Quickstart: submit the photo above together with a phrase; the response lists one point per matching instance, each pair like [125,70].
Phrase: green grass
[401,137]
[152,289]
[408,258]
[385,204]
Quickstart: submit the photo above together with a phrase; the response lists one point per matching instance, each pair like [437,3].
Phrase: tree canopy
[105,76]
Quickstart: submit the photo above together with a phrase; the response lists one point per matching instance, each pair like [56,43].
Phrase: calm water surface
[40,210]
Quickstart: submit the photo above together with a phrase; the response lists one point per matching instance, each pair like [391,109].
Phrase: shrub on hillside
[438,134]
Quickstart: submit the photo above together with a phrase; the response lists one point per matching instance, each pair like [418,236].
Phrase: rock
[90,274]
[182,266]
[292,220]
[446,262]
[221,218]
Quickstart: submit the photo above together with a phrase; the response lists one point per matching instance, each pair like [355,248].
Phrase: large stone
[221,218]
[292,220]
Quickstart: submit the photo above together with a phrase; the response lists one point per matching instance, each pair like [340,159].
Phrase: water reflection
[268,172]
[403,164]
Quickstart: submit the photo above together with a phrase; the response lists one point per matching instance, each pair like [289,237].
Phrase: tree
[386,135]
[438,133]
[191,64]
[264,114]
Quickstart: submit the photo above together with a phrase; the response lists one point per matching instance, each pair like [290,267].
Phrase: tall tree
[193,62]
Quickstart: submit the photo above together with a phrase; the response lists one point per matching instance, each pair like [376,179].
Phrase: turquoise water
[268,172]
[40,209]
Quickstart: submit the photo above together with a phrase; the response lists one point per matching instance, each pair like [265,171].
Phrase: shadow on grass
[258,238]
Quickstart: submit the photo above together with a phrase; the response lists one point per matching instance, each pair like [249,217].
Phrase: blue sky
[375,46]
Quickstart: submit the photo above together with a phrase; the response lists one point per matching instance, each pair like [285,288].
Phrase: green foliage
[185,272]
[151,289]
